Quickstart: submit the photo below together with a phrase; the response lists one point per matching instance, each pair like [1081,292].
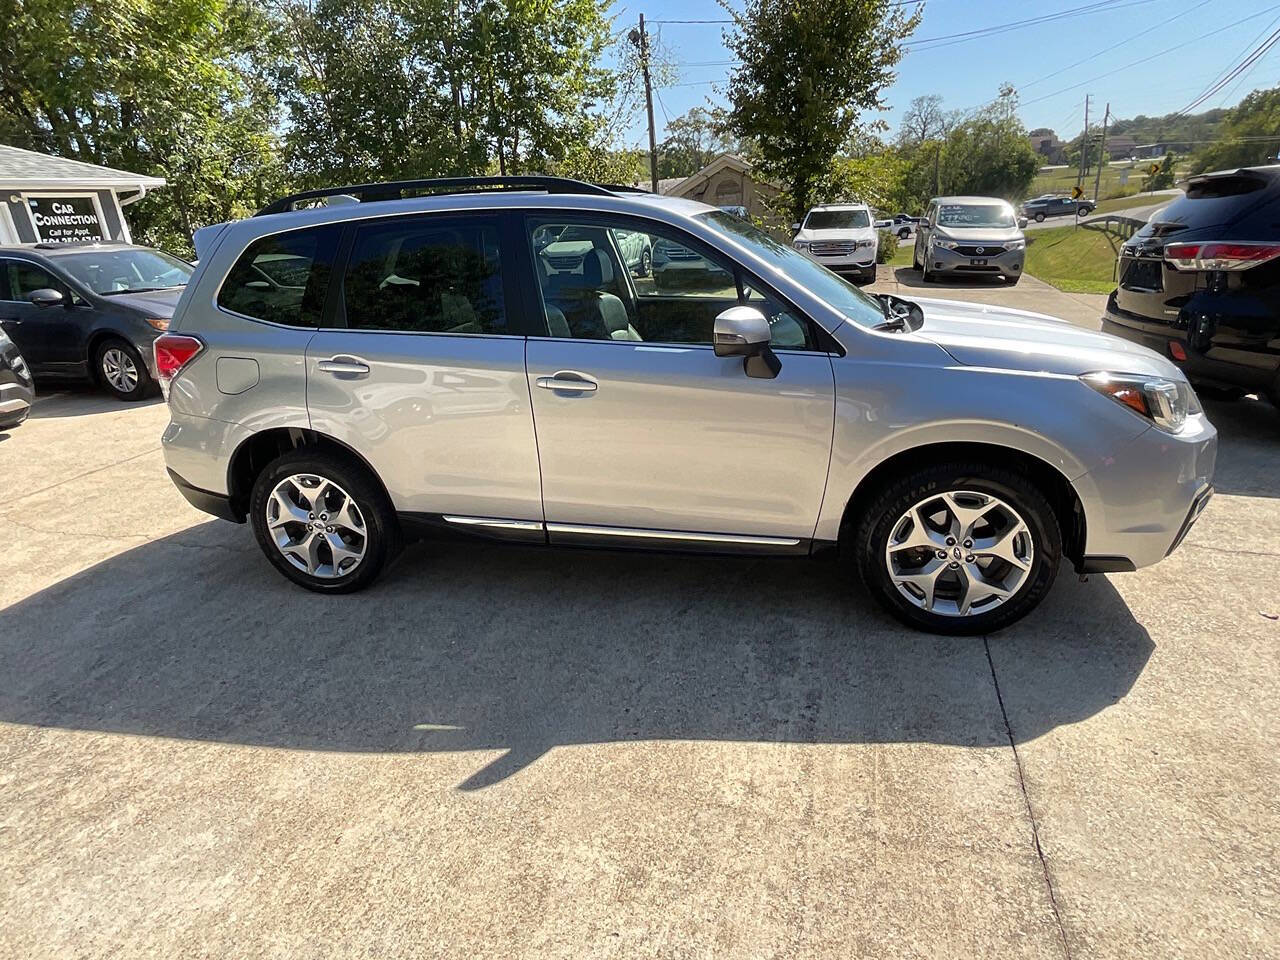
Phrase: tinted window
[282,278]
[975,215]
[836,220]
[425,275]
[24,278]
[126,271]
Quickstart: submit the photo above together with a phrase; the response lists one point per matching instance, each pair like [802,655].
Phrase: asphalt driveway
[507,752]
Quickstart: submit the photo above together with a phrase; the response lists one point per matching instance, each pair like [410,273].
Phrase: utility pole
[1102,154]
[641,40]
[1084,142]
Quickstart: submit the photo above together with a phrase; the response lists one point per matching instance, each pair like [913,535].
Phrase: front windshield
[106,272]
[836,220]
[975,215]
[822,283]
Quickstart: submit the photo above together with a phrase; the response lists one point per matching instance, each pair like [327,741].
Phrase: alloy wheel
[959,553]
[316,526]
[119,370]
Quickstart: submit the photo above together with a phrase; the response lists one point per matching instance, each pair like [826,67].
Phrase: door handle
[343,365]
[567,380]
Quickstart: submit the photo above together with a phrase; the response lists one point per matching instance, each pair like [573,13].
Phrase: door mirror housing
[744,332]
[795,228]
[924,222]
[45,297]
[883,224]
[1022,223]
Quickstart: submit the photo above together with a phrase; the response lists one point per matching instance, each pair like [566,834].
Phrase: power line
[1251,59]
[946,40]
[1134,63]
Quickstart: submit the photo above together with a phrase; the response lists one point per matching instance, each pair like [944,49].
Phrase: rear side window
[283,278]
[426,275]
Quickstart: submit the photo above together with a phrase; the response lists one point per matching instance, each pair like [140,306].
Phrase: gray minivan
[90,311]
[976,236]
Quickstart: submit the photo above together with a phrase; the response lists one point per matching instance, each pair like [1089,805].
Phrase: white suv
[840,236]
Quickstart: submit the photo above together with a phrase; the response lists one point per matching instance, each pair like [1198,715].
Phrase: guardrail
[1118,226]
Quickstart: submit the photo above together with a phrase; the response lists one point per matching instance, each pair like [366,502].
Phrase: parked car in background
[1200,282]
[1042,208]
[637,251]
[92,311]
[737,211]
[436,377]
[904,225]
[970,235]
[842,237]
[17,391]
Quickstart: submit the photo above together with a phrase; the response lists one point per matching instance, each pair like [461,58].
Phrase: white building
[53,199]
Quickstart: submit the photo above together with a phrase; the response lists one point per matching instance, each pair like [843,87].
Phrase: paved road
[506,752]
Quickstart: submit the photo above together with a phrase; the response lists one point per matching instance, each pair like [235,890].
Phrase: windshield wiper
[114,293]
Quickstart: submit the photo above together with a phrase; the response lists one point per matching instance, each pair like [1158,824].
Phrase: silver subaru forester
[480,356]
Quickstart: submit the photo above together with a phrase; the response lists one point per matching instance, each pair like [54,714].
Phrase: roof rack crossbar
[395,189]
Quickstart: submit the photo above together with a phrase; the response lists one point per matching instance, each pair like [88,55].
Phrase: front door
[423,376]
[664,437]
[49,338]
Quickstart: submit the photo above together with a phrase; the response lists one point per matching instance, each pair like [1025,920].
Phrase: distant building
[1145,151]
[56,200]
[1048,146]
[727,181]
[1121,147]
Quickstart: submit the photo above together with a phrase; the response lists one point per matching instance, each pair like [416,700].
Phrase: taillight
[173,351]
[1220,256]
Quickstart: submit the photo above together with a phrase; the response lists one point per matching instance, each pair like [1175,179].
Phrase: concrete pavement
[507,752]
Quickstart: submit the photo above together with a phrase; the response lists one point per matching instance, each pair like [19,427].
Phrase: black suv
[1200,283]
[90,311]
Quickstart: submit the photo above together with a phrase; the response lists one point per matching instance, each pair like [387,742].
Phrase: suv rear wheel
[959,548]
[323,521]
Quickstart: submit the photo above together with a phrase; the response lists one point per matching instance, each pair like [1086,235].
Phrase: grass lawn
[1073,259]
[902,256]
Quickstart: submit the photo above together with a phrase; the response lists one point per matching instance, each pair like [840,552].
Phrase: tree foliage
[159,87]
[693,140]
[1257,115]
[808,72]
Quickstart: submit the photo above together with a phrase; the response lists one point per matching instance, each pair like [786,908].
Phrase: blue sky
[1208,35]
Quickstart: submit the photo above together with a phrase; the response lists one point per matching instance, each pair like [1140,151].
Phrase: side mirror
[1022,223]
[744,332]
[883,224]
[45,297]
[795,228]
[924,222]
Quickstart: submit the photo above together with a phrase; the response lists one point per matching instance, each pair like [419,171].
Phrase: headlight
[1014,244]
[1166,403]
[864,243]
[801,244]
[944,244]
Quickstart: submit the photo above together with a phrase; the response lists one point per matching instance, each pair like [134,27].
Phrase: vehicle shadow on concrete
[476,646]
[1248,446]
[911,277]
[80,399]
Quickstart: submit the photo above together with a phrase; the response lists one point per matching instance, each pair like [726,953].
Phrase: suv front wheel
[323,521]
[960,548]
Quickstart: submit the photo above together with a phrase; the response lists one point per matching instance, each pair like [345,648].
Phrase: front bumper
[1008,263]
[1141,500]
[15,402]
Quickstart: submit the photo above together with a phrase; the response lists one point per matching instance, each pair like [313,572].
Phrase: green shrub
[888,246]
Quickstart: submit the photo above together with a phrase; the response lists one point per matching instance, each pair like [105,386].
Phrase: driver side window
[606,281]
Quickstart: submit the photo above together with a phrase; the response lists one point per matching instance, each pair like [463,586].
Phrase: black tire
[646,262]
[915,258]
[1012,281]
[1040,217]
[872,532]
[108,351]
[904,233]
[927,275]
[380,528]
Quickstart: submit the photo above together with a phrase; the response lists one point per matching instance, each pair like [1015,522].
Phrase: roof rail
[395,189]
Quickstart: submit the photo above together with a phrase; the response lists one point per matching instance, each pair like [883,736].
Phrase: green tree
[988,153]
[808,72]
[1163,178]
[693,140]
[161,87]
[1257,115]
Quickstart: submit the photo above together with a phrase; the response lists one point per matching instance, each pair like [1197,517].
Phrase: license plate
[977,263]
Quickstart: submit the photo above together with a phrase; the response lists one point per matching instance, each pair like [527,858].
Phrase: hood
[838,233]
[981,335]
[978,234]
[154,303]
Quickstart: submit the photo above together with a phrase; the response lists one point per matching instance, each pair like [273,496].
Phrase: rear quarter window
[283,278]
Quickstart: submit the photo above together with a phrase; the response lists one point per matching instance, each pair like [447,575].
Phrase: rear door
[420,368]
[664,440]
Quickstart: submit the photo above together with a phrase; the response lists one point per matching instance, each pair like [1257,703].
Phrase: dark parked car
[1043,207]
[90,311]
[1200,283]
[16,389]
